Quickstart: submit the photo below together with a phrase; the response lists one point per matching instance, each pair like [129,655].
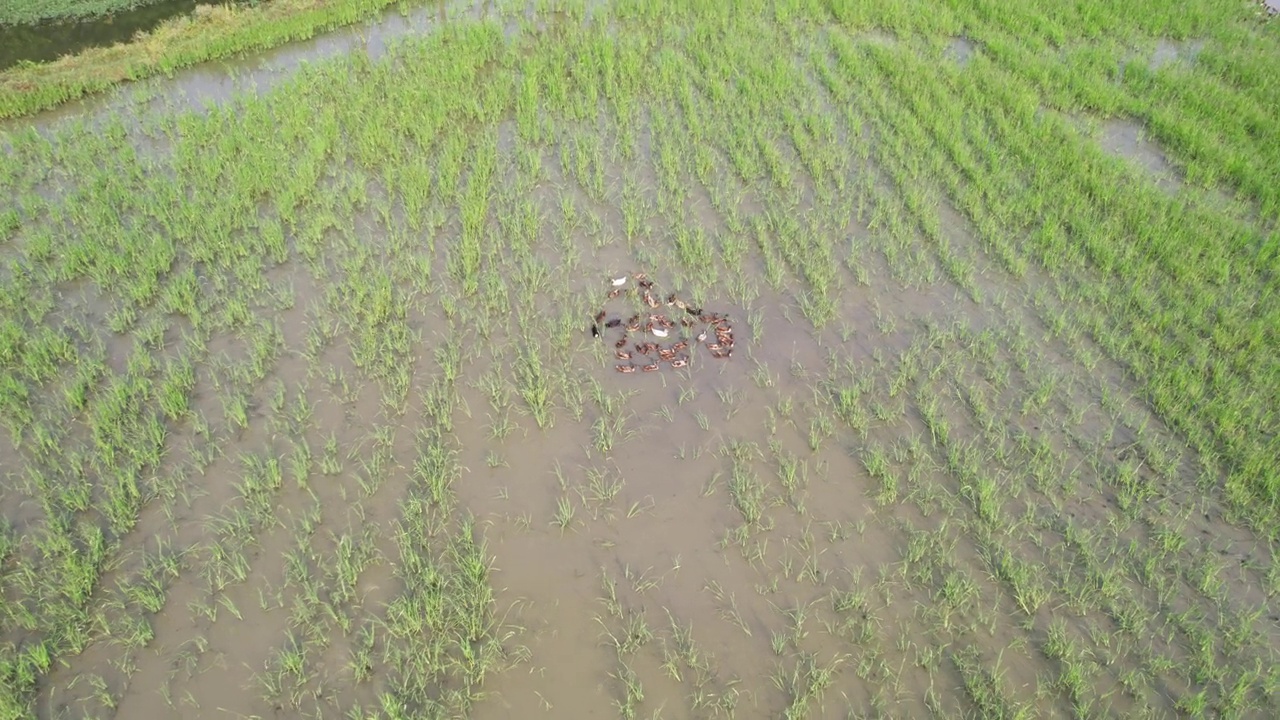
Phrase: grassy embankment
[29,12]
[217,32]
[999,441]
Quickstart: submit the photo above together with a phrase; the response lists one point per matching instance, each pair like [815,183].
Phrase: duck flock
[648,340]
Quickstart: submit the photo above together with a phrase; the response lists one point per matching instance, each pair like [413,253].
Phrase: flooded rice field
[313,402]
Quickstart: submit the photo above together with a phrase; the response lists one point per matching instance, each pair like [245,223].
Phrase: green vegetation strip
[210,33]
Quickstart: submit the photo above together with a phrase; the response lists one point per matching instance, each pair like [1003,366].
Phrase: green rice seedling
[876,462]
[634,634]
[101,691]
[564,513]
[436,468]
[562,481]
[330,462]
[608,430]
[261,481]
[610,598]
[641,582]
[534,387]
[236,409]
[985,686]
[888,412]
[494,385]
[730,397]
[1029,591]
[159,569]
[633,692]
[746,492]
[602,486]
[502,426]
[729,606]
[820,428]
[806,683]
[779,641]
[230,605]
[687,393]
[300,462]
[793,473]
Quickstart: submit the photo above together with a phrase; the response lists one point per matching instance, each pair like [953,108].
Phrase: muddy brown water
[664,539]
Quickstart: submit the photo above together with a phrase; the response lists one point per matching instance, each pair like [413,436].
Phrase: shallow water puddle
[959,50]
[1168,52]
[1127,139]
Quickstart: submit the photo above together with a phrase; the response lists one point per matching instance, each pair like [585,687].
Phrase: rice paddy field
[303,414]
